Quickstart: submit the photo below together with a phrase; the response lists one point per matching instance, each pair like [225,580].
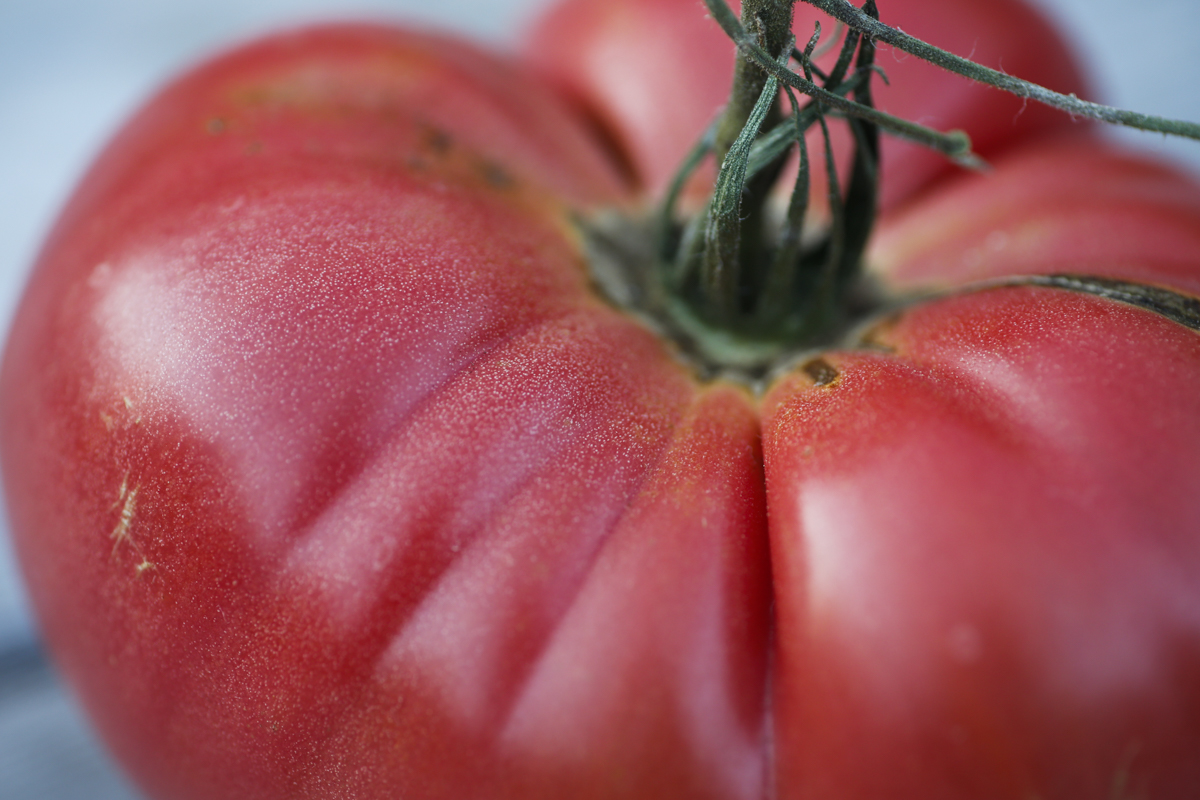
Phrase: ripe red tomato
[333,477]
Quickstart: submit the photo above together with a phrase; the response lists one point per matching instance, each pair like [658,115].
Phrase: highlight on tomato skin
[1062,205]
[332,476]
[328,467]
[984,552]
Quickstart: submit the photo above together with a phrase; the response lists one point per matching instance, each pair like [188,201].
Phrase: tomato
[333,476]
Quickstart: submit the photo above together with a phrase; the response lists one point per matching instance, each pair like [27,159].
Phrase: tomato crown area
[759,274]
[749,278]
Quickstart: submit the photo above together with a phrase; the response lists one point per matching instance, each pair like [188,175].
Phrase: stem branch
[768,23]
[843,11]
[955,144]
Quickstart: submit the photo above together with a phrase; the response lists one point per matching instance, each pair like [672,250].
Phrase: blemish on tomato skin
[821,372]
[495,175]
[438,141]
[127,500]
[132,417]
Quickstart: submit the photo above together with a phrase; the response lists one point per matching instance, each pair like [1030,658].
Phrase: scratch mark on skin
[137,419]
[109,417]
[121,534]
[121,493]
[127,499]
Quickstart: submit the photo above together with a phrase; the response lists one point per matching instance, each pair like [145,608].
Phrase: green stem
[772,144]
[955,144]
[769,24]
[721,271]
[843,11]
[732,241]
[739,289]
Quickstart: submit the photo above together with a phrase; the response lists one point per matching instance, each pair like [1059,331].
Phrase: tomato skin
[333,478]
[328,468]
[985,556]
[1060,206]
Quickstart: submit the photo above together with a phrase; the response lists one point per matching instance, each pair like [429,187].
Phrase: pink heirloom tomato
[333,476]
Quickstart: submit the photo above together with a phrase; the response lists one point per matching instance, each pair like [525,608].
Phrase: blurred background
[71,70]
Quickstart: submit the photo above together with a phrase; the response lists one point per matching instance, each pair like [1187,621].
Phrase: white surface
[70,70]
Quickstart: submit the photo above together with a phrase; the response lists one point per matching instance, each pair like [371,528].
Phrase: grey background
[71,70]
